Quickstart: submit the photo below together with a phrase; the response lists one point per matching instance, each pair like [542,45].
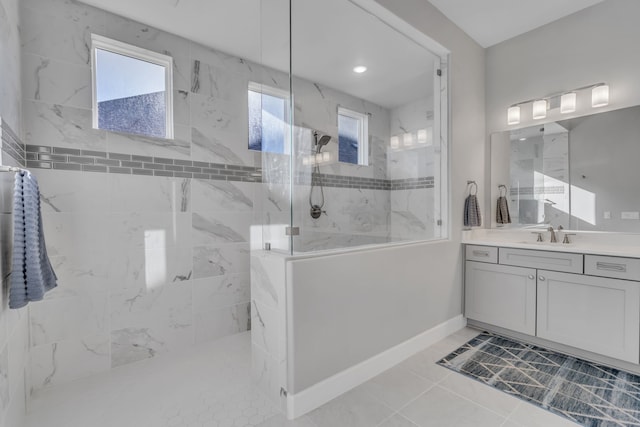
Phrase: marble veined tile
[148,230]
[217,196]
[147,322]
[168,307]
[206,147]
[216,260]
[267,279]
[215,228]
[63,191]
[139,268]
[214,81]
[129,193]
[179,147]
[64,361]
[71,232]
[60,126]
[67,318]
[265,328]
[56,82]
[222,291]
[62,34]
[138,34]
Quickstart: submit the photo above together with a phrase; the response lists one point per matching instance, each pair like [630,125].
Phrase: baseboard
[317,395]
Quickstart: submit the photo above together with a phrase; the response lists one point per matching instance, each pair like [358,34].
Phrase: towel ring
[502,187]
[471,185]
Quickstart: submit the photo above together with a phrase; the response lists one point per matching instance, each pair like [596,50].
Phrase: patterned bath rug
[587,393]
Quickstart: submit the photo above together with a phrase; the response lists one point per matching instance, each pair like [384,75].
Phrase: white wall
[597,44]
[440,263]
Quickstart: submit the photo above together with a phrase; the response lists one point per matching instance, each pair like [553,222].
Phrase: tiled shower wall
[14,331]
[150,238]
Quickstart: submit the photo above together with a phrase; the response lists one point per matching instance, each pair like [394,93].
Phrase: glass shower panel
[269,129]
[369,164]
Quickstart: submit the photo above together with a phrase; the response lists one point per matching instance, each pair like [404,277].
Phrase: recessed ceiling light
[523,139]
[359,69]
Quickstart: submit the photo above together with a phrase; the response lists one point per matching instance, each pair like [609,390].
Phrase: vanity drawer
[544,260]
[482,253]
[611,266]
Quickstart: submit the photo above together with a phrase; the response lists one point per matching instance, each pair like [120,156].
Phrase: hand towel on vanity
[31,271]
[472,216]
[502,211]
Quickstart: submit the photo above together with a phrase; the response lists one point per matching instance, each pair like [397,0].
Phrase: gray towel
[31,271]
[472,216]
[502,211]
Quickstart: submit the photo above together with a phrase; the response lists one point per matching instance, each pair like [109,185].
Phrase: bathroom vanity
[584,296]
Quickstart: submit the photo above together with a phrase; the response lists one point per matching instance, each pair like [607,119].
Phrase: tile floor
[212,387]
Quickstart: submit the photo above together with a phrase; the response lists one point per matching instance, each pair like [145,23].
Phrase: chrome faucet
[554,239]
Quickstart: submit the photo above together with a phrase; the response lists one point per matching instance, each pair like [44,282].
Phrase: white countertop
[593,243]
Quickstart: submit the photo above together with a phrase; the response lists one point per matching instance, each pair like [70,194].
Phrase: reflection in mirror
[580,173]
[538,182]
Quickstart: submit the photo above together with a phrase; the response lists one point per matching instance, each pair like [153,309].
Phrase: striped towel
[472,217]
[502,211]
[31,271]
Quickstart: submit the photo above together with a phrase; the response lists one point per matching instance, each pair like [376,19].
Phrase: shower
[316,180]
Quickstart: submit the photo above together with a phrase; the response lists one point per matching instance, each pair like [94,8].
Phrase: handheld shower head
[323,141]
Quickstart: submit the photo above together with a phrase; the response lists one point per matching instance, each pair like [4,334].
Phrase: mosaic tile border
[71,159]
[11,144]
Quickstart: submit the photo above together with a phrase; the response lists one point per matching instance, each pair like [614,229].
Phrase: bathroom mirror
[580,173]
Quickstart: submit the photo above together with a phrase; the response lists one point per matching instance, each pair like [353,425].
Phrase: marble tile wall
[153,264]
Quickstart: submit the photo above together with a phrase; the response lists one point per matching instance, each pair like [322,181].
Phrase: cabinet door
[501,295]
[592,313]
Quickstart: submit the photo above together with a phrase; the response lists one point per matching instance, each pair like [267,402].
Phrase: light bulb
[513,115]
[568,103]
[600,96]
[539,109]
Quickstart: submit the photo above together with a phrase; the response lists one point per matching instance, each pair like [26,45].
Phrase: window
[268,119]
[353,137]
[132,89]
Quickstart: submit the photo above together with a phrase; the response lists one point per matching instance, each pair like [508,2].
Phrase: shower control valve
[316,211]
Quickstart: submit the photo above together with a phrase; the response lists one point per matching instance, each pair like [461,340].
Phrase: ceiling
[329,38]
[489,22]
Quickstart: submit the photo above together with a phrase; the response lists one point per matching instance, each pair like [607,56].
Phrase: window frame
[283,94]
[363,134]
[135,52]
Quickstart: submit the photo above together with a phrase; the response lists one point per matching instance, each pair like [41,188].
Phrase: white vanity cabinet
[501,295]
[588,302]
[591,313]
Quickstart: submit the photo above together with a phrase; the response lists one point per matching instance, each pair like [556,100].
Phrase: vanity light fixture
[600,96]
[539,109]
[359,69]
[568,102]
[513,115]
